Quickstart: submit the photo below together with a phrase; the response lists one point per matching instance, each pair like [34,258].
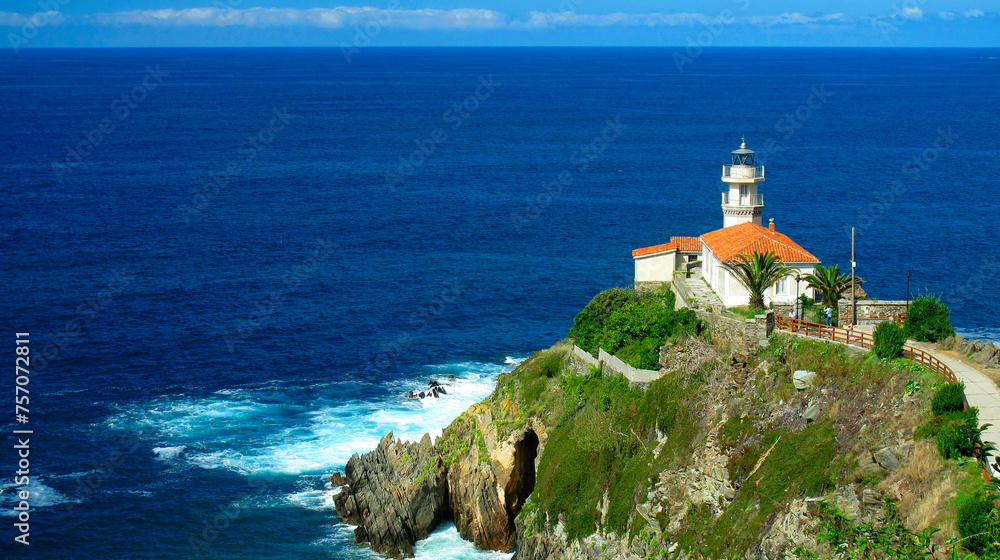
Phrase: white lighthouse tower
[742,203]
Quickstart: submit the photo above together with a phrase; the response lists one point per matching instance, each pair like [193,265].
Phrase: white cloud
[947,16]
[620,19]
[794,18]
[39,19]
[913,13]
[314,17]
[975,13]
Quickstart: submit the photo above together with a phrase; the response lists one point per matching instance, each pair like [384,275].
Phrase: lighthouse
[741,202]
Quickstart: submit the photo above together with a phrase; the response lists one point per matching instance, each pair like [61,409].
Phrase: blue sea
[234,264]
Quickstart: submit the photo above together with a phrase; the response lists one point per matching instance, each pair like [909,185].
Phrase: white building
[742,233]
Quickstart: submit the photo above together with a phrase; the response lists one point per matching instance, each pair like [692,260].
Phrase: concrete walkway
[980,391]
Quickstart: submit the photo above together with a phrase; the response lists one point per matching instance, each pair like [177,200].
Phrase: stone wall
[870,310]
[649,286]
[681,290]
[633,374]
[586,356]
[615,365]
[742,336]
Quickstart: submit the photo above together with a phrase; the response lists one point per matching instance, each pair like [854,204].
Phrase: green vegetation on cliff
[633,325]
[637,463]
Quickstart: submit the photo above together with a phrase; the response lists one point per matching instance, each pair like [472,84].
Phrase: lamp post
[797,278]
[907,291]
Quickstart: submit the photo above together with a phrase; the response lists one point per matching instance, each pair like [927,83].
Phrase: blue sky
[142,23]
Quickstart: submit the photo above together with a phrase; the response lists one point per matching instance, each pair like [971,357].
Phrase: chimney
[770,224]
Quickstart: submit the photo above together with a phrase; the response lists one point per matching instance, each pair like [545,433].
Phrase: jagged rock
[337,479]
[886,459]
[802,379]
[397,494]
[846,500]
[986,355]
[811,414]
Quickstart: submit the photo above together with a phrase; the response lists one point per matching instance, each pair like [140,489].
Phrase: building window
[782,286]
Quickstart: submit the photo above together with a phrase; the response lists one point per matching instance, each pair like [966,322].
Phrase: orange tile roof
[748,238]
[654,249]
[687,244]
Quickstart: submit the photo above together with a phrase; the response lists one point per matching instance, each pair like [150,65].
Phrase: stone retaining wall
[743,336]
[633,374]
[870,310]
[586,356]
[615,365]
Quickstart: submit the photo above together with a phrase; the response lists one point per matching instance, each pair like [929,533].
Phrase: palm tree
[758,272]
[830,282]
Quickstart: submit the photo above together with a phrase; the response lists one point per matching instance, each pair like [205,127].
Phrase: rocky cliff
[726,455]
[399,492]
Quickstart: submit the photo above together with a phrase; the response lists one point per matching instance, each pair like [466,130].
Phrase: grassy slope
[603,437]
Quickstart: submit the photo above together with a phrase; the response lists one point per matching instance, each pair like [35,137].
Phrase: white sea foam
[336,431]
[168,453]
[446,544]
[443,544]
[235,431]
[41,495]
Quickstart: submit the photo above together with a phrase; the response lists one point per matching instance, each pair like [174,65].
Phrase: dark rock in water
[413,395]
[360,535]
[337,479]
[433,383]
[397,495]
[451,377]
[442,391]
[422,395]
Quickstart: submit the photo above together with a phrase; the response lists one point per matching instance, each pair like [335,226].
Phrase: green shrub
[977,522]
[888,340]
[927,319]
[931,427]
[633,326]
[957,437]
[644,354]
[949,398]
[588,326]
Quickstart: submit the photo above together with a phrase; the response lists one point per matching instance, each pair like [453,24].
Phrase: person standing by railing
[829,315]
